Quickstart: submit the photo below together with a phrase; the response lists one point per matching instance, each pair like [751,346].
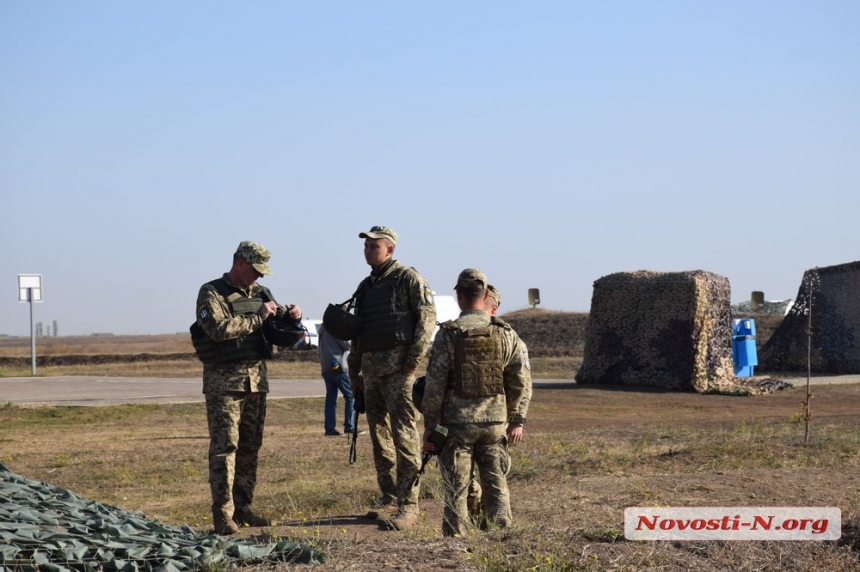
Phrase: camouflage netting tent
[48,528]
[834,292]
[669,330]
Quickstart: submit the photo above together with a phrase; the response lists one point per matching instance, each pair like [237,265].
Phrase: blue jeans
[338,381]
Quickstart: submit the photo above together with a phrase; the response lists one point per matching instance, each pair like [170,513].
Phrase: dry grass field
[589,452]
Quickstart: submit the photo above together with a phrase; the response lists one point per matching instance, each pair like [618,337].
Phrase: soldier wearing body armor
[398,316]
[473,501]
[229,339]
[478,386]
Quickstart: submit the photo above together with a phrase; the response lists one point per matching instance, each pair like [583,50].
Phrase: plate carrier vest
[478,364]
[252,346]
[383,324]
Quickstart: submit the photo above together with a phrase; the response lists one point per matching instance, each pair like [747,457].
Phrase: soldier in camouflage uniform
[478,387]
[398,316]
[231,311]
[473,499]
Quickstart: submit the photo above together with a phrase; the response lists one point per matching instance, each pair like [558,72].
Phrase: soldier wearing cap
[231,311]
[515,430]
[398,317]
[477,379]
[491,305]
[494,300]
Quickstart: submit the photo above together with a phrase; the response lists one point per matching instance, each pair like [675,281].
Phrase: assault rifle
[438,438]
[358,408]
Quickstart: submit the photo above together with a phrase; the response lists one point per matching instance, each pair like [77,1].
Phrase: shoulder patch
[428,294]
[203,313]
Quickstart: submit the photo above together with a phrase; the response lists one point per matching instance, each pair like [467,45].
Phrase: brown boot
[404,520]
[248,518]
[224,525]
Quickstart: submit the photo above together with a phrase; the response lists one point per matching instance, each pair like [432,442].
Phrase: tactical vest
[478,361]
[383,324]
[252,346]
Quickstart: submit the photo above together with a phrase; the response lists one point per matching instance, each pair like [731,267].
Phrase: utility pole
[807,414]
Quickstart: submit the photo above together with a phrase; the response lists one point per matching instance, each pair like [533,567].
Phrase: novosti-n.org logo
[732,523]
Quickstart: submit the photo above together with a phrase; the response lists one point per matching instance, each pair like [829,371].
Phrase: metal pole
[807,404]
[32,332]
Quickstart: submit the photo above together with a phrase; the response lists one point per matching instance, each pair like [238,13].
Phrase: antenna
[534,297]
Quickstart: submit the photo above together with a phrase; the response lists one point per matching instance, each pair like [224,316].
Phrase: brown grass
[588,454]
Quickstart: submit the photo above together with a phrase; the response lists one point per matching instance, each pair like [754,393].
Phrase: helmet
[283,332]
[418,391]
[340,323]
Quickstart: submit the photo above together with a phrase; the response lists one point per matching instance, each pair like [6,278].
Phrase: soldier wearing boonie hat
[228,337]
[478,386]
[398,316]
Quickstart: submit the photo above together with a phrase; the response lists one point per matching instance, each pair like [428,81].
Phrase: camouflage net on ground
[47,528]
[667,330]
[834,295]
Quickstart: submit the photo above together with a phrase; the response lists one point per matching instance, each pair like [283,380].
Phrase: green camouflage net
[47,528]
[831,293]
[669,330]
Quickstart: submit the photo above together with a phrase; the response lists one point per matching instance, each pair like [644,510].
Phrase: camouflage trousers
[236,422]
[393,422]
[485,445]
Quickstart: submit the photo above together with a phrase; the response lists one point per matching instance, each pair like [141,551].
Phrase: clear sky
[546,143]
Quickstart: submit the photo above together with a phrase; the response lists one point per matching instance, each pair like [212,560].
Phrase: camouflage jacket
[414,293]
[441,405]
[219,323]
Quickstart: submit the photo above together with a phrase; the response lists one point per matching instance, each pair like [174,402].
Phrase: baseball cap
[380,232]
[494,294]
[256,255]
[472,278]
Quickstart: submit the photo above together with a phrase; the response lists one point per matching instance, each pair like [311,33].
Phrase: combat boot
[404,520]
[224,525]
[247,517]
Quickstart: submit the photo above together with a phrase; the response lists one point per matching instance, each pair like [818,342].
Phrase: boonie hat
[380,232]
[494,294]
[472,279]
[256,255]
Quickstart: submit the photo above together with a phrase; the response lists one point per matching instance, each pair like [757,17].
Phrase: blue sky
[547,143]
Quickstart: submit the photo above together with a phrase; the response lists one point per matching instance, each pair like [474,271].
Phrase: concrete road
[85,390]
[92,391]
[80,390]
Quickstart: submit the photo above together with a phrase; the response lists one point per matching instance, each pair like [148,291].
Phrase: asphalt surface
[85,390]
[100,391]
